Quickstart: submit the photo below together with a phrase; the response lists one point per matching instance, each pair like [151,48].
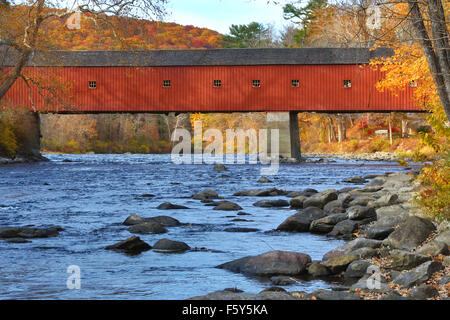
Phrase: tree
[435,44]
[252,35]
[303,17]
[21,29]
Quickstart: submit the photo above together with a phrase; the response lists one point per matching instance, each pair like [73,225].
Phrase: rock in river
[321,199]
[264,180]
[270,263]
[219,167]
[206,194]
[338,264]
[163,220]
[326,224]
[301,221]
[317,269]
[170,246]
[147,228]
[297,202]
[170,206]
[357,179]
[271,203]
[227,206]
[29,232]
[132,245]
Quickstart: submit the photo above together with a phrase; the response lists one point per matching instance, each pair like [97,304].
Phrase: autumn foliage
[117,33]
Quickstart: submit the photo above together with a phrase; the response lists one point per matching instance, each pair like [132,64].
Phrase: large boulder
[383,227]
[317,269]
[344,228]
[338,264]
[402,259]
[306,193]
[330,206]
[326,224]
[419,274]
[166,221]
[271,203]
[443,237]
[359,201]
[384,201]
[301,221]
[365,253]
[133,219]
[361,213]
[270,263]
[132,245]
[422,292]
[411,233]
[351,246]
[170,206]
[227,206]
[297,202]
[356,269]
[377,181]
[261,193]
[170,246]
[395,210]
[320,199]
[147,228]
[29,232]
[434,248]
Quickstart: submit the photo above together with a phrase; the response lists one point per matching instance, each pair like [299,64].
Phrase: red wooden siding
[131,89]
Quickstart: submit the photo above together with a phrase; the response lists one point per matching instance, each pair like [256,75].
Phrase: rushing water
[91,197]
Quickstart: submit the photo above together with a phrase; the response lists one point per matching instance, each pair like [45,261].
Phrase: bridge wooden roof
[209,57]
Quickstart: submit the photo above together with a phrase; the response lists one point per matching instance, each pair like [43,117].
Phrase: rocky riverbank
[375,156]
[23,159]
[393,253]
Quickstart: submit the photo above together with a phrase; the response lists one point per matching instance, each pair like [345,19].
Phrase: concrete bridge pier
[289,139]
[29,148]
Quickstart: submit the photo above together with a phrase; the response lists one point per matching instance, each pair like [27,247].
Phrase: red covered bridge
[220,80]
[281,82]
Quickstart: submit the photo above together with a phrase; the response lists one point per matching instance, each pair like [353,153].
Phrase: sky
[219,15]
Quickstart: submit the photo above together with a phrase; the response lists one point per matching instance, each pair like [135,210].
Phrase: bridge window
[347,83]
[217,83]
[166,83]
[256,83]
[295,83]
[92,84]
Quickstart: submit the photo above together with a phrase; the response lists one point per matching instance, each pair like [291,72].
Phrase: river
[92,195]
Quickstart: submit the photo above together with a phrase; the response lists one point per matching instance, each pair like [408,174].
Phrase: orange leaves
[111,33]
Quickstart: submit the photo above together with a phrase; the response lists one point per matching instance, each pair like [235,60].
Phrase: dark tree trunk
[437,56]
